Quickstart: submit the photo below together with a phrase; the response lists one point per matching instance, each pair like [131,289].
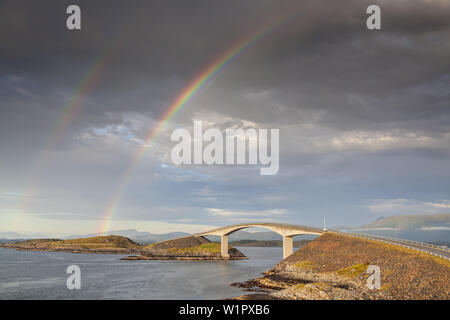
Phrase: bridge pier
[288,246]
[224,246]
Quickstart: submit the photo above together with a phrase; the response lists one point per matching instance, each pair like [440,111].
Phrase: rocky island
[334,267]
[103,244]
[187,248]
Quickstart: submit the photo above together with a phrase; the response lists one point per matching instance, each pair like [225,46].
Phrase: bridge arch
[285,230]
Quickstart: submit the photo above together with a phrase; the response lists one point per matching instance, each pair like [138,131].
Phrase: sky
[363,115]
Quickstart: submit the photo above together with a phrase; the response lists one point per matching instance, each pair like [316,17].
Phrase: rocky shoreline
[334,267]
[71,250]
[294,284]
[185,258]
[140,254]
[204,251]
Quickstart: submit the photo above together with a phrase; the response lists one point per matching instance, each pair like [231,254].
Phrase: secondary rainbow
[71,109]
[73,106]
[186,94]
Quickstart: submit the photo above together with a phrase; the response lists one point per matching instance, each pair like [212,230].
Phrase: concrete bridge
[285,230]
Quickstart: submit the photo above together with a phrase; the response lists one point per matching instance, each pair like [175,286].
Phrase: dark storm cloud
[148,50]
[152,48]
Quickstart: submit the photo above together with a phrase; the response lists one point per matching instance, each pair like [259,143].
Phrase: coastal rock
[335,267]
[187,248]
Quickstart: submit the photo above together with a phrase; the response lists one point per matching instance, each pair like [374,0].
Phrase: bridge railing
[401,242]
[444,248]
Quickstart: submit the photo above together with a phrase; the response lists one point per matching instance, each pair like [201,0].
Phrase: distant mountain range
[416,221]
[16,235]
[147,237]
[143,237]
[137,236]
[432,228]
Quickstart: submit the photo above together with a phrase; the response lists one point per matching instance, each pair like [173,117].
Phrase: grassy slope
[179,243]
[405,273]
[195,246]
[203,249]
[190,246]
[106,242]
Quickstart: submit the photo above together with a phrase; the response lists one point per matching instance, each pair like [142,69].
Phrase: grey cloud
[320,76]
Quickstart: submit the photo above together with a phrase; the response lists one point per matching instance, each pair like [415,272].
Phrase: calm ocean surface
[42,275]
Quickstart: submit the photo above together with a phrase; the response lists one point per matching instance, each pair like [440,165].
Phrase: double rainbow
[70,111]
[186,94]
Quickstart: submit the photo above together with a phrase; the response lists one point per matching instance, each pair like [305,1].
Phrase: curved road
[442,252]
[287,231]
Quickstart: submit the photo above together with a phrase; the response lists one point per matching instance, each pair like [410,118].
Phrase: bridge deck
[282,229]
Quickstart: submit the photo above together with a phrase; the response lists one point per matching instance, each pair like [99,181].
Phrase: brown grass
[102,242]
[405,273]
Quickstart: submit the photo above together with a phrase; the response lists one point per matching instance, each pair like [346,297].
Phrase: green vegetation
[107,242]
[306,265]
[353,271]
[103,242]
[179,243]
[34,242]
[150,246]
[186,247]
[386,287]
[205,248]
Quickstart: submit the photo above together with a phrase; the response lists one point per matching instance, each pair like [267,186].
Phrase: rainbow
[186,94]
[71,109]
[69,112]
[74,103]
